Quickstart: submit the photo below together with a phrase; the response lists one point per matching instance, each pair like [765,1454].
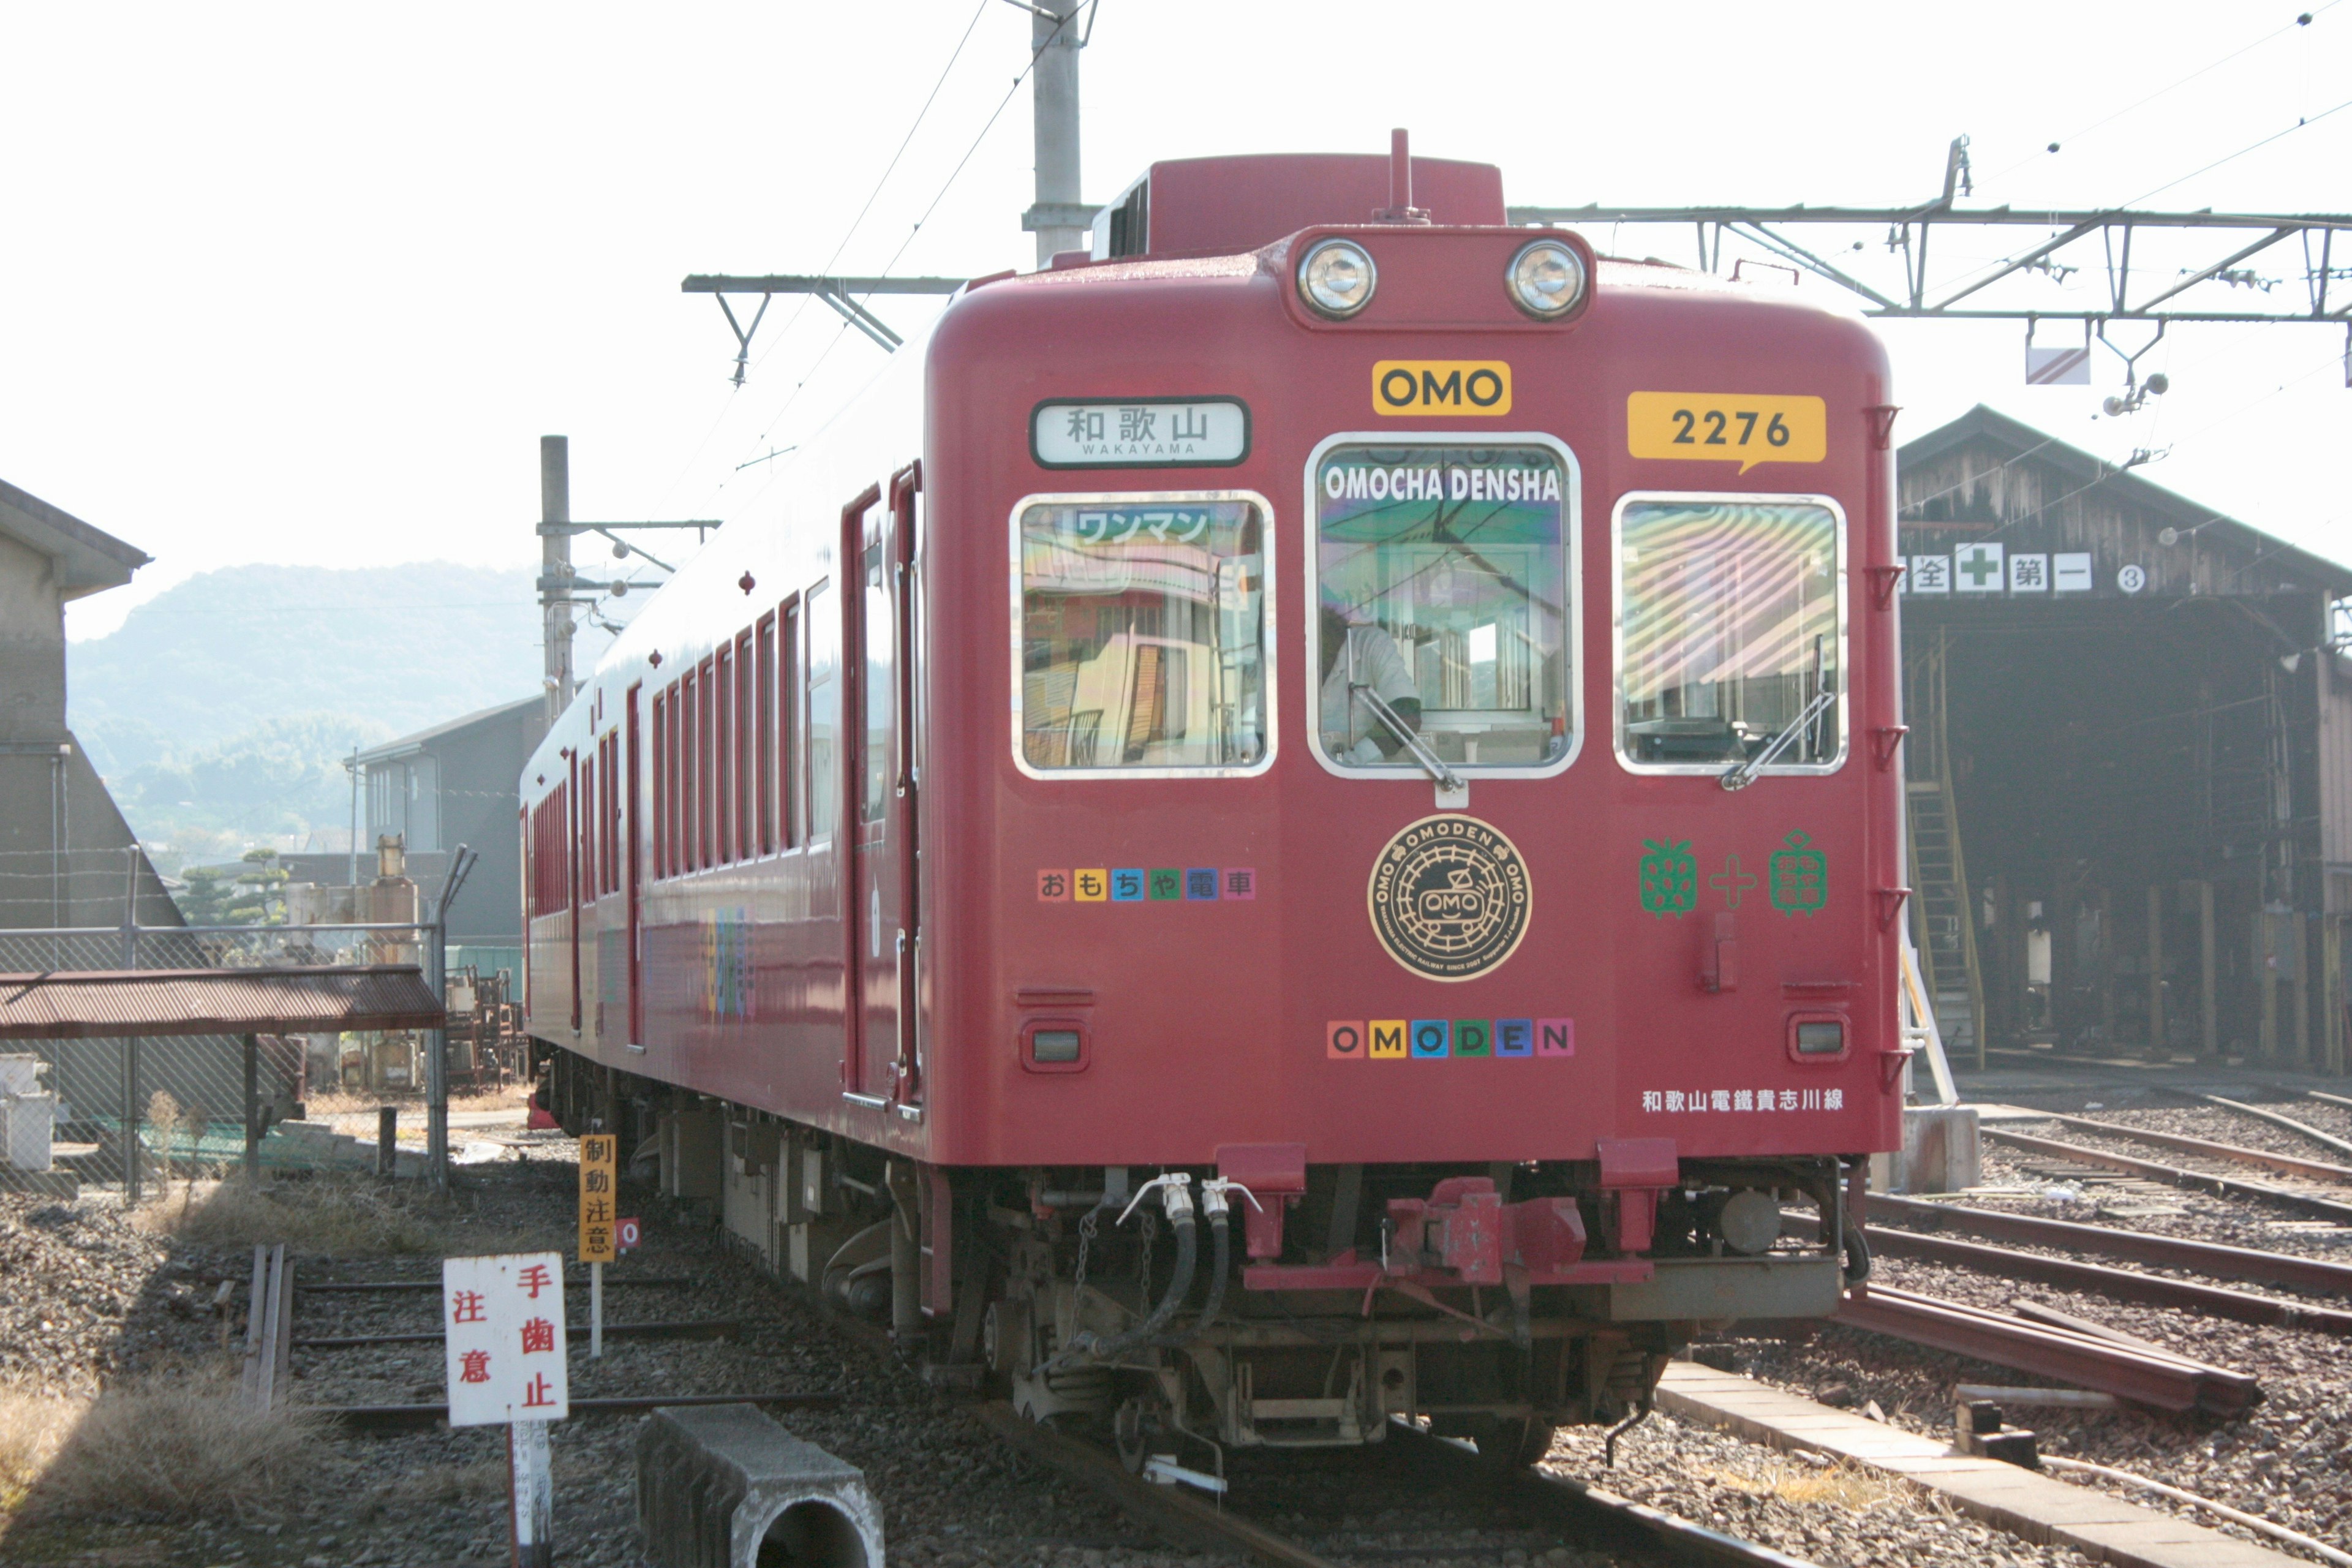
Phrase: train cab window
[823,714]
[1730,634]
[1141,635]
[1445,621]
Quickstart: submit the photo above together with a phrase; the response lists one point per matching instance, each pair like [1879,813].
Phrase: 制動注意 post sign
[598,1166]
[1727,428]
[502,1321]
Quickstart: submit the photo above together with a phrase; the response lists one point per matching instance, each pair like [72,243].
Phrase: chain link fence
[130,1111]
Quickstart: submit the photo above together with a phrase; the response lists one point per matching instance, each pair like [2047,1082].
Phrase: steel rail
[696,1329]
[2165,1382]
[2285,1164]
[2325,1139]
[2209,1257]
[372,1286]
[402,1417]
[1590,1510]
[1167,1510]
[2329,1098]
[2196,1181]
[1587,1510]
[2120,1284]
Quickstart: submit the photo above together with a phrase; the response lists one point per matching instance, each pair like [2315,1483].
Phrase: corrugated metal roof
[115,1002]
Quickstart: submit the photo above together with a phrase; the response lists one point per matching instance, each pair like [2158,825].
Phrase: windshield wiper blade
[1431,764]
[1743,773]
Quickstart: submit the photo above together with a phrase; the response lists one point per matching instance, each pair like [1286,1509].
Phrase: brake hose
[1221,1261]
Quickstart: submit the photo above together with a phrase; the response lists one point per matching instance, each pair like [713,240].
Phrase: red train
[1294,819]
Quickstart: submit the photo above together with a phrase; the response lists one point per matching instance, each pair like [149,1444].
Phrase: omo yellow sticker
[1424,386]
[1723,427]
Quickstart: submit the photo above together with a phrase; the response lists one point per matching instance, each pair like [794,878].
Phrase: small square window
[1054,1045]
[1821,1037]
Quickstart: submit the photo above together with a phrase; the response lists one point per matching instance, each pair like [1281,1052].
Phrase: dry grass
[177,1443]
[322,1215]
[1838,1485]
[325,1103]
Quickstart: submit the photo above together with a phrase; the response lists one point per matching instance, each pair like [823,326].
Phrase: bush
[322,1216]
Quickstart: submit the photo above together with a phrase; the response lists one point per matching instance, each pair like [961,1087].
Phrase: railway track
[2304,1199]
[1319,1497]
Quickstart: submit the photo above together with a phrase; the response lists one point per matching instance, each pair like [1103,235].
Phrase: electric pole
[1060,217]
[555,569]
[559,587]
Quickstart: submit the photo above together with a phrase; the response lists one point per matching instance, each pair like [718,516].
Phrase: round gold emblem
[1450,898]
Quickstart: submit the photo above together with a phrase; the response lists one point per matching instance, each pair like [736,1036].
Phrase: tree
[263,901]
[205,900]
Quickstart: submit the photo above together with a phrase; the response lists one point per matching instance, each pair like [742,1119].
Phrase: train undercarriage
[1264,1302]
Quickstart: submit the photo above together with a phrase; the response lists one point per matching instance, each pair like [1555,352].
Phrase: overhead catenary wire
[847,235]
[916,229]
[2303,20]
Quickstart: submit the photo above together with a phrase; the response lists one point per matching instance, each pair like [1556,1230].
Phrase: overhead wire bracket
[836,292]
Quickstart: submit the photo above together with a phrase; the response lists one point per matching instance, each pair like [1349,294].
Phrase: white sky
[305,283]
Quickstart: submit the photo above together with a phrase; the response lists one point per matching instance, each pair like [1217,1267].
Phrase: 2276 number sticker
[1714,427]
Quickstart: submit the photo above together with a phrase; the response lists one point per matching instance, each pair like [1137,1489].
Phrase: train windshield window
[1443,607]
[1142,628]
[1730,633]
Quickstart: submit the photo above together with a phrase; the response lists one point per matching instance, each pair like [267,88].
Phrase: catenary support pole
[555,569]
[1054,34]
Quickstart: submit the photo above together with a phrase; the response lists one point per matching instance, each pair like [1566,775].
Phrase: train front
[1415,763]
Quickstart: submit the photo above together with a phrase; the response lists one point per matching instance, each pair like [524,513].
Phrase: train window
[661,785]
[1445,625]
[788,721]
[746,731]
[823,714]
[878,680]
[763,731]
[723,763]
[707,758]
[1730,633]
[1141,634]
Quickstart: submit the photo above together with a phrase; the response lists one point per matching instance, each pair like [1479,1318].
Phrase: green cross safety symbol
[1975,565]
[1801,877]
[1731,882]
[1669,878]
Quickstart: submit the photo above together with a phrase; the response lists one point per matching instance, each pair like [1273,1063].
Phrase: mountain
[219,710]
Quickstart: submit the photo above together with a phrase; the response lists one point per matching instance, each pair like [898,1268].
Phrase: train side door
[880,956]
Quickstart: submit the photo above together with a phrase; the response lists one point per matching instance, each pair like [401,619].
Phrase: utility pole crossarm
[1596,212]
[835,291]
[809,283]
[1823,241]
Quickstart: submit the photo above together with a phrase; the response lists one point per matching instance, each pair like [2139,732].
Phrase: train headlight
[1546,280]
[1336,278]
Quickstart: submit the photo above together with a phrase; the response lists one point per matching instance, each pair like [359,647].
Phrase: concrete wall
[32,646]
[66,857]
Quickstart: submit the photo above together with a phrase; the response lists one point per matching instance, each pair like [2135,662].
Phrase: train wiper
[1743,773]
[1431,764]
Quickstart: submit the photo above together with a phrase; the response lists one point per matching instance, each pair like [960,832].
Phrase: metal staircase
[1943,922]
[1943,926]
